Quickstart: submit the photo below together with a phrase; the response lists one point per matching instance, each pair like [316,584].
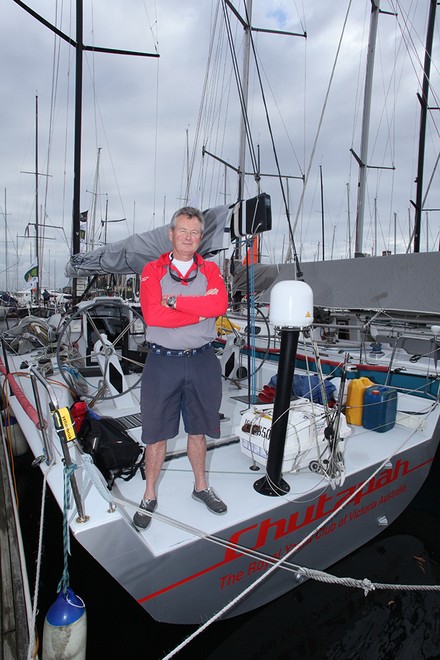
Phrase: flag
[252,252]
[83,216]
[31,276]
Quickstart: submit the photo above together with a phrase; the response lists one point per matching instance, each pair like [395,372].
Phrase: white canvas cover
[401,282]
[131,254]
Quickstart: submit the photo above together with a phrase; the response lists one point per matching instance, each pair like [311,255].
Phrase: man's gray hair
[190,212]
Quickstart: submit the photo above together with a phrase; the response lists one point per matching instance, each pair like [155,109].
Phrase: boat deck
[14,620]
[179,518]
[189,562]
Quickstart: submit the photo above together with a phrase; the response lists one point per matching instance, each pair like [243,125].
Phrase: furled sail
[395,283]
[131,254]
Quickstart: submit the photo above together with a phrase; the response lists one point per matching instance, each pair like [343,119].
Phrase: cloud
[142,114]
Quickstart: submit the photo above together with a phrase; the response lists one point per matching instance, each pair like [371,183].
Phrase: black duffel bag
[113,450]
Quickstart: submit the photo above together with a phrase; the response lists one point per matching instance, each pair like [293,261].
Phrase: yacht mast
[37,235]
[423,115]
[6,248]
[362,160]
[76,226]
[92,230]
[244,99]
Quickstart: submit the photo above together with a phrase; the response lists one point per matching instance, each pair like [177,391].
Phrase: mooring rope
[32,649]
[364,584]
[64,581]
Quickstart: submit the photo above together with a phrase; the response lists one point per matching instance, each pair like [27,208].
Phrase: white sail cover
[131,254]
[399,283]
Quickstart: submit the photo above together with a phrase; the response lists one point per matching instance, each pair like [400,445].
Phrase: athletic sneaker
[142,520]
[211,499]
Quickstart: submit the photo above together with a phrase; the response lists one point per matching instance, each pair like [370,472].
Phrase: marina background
[140,115]
[314,621]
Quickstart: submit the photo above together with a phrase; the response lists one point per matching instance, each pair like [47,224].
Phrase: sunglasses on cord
[184,280]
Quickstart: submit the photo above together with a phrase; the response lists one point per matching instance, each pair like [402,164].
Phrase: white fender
[65,629]
[19,443]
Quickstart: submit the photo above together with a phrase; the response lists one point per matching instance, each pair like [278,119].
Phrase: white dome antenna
[291,304]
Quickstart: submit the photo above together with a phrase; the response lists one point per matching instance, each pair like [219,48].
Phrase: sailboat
[330,487]
[383,312]
[338,491]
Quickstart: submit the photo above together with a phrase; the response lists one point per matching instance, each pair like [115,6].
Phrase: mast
[375,227]
[37,247]
[349,220]
[6,247]
[423,99]
[106,220]
[322,214]
[92,230]
[79,48]
[362,160]
[245,94]
[77,144]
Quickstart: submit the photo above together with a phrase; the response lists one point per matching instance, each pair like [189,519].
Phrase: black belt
[182,352]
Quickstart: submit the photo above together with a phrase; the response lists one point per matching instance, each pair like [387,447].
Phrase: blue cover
[301,387]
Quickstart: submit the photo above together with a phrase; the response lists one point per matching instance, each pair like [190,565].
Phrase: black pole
[77,146]
[248,329]
[422,133]
[322,215]
[37,237]
[272,483]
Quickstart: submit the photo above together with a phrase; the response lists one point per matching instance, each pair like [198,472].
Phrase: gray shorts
[187,385]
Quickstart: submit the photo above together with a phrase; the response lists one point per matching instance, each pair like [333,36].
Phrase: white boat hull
[190,564]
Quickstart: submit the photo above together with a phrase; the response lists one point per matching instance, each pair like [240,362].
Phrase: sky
[146,119]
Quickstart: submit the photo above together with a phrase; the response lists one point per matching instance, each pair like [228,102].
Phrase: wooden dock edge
[15,600]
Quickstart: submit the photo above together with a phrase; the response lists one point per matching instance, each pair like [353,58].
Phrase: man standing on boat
[46,297]
[181,297]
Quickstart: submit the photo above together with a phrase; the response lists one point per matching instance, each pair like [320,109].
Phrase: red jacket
[185,330]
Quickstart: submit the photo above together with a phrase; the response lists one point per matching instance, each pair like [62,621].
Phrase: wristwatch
[171,301]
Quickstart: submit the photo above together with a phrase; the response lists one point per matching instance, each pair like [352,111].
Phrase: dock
[15,601]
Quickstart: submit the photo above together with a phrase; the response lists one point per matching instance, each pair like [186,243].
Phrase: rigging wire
[53,98]
[251,147]
[155,38]
[312,155]
[212,121]
[203,102]
[272,140]
[408,30]
[240,87]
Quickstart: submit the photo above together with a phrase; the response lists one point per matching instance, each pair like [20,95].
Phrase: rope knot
[68,471]
[367,586]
